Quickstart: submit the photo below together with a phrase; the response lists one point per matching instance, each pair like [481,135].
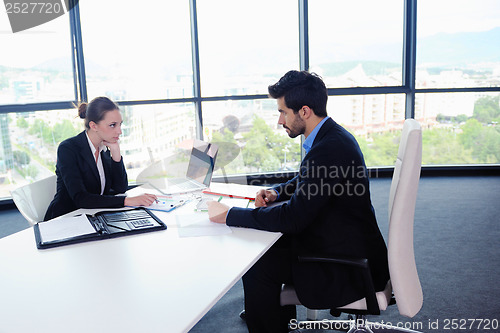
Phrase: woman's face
[109,128]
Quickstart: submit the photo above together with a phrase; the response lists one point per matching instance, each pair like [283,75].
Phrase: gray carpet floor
[457,249]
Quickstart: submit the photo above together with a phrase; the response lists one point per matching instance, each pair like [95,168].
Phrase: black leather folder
[103,225]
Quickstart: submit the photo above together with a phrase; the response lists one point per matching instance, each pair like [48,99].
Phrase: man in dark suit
[329,212]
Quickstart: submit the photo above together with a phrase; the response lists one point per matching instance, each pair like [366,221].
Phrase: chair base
[312,314]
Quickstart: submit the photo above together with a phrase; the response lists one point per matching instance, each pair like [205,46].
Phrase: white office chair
[32,200]
[404,281]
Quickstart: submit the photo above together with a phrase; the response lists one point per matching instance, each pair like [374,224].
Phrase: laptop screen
[202,162]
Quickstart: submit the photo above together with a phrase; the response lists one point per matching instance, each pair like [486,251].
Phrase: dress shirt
[308,142]
[100,168]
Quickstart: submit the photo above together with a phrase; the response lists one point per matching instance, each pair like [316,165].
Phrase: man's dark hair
[301,89]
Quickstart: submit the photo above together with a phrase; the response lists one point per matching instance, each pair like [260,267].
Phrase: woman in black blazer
[90,167]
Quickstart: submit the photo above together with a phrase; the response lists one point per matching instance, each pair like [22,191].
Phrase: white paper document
[168,204]
[231,202]
[198,224]
[236,202]
[65,227]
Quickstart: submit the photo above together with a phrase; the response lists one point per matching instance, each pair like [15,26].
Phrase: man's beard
[298,129]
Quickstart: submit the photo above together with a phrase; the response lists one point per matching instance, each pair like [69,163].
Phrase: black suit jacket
[78,182]
[329,213]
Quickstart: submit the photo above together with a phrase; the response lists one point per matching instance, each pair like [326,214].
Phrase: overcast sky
[347,19]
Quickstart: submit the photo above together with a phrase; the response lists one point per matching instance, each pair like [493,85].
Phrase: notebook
[102,225]
[198,175]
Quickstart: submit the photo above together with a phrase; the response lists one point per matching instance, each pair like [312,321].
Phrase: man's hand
[217,211]
[263,197]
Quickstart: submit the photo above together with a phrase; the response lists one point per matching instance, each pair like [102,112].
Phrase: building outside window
[144,57]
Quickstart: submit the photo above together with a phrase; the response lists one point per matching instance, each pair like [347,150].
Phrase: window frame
[408,86]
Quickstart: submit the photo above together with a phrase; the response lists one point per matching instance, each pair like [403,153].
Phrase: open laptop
[198,175]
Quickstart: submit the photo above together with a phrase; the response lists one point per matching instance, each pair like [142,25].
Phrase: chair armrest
[359,263]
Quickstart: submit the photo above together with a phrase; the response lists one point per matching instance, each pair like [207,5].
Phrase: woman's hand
[140,200]
[114,148]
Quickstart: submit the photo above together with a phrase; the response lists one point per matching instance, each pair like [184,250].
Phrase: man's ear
[305,112]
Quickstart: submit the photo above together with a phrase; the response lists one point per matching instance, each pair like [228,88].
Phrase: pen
[178,204]
[220,198]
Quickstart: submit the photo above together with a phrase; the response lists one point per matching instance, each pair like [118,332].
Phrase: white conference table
[153,282]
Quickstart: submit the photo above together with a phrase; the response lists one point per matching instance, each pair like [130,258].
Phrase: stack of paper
[65,227]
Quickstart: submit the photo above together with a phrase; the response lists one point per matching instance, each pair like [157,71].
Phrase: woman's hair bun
[82,110]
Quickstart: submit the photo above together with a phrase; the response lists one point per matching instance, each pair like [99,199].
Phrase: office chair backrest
[32,200]
[402,198]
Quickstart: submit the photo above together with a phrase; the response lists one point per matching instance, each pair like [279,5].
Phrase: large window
[200,69]
[464,130]
[457,44]
[35,65]
[249,137]
[137,51]
[153,132]
[375,120]
[245,45]
[356,43]
[456,49]
[29,145]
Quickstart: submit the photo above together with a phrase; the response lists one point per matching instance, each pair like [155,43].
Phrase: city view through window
[151,60]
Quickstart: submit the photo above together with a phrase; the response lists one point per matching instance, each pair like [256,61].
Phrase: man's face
[293,124]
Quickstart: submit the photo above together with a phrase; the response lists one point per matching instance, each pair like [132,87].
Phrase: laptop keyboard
[183,183]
